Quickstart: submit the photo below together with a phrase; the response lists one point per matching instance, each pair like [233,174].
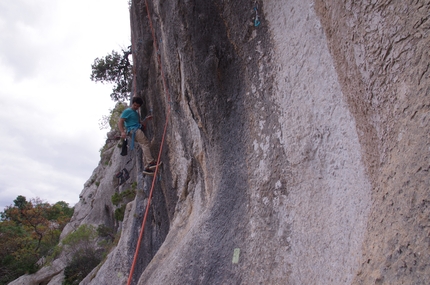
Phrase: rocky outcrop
[50,275]
[297,151]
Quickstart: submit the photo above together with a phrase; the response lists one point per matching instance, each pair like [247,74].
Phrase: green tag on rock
[236,254]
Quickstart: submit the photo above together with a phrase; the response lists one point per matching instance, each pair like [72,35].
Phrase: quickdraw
[122,176]
[257,18]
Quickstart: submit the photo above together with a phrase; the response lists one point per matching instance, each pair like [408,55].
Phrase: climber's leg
[145,146]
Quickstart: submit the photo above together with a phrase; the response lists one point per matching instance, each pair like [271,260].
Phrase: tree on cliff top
[114,68]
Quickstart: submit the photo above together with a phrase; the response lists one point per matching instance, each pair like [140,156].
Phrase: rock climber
[130,123]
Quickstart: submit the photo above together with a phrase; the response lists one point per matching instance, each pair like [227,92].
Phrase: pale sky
[50,109]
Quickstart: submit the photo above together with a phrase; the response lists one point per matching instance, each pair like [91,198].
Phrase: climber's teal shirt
[131,119]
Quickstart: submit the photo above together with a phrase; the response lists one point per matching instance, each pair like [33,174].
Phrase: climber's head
[136,103]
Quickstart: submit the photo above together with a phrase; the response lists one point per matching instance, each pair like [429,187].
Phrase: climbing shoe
[148,172]
[153,165]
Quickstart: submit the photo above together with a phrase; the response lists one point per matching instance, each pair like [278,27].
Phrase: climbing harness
[132,131]
[133,135]
[130,276]
[257,18]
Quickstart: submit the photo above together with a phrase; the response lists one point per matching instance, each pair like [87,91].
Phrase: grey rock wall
[329,199]
[316,122]
[381,53]
[271,163]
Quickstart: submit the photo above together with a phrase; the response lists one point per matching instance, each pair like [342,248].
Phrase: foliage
[86,255]
[105,232]
[123,198]
[12,265]
[82,263]
[128,195]
[114,68]
[111,121]
[81,238]
[29,231]
[80,244]
[119,213]
[60,210]
[116,199]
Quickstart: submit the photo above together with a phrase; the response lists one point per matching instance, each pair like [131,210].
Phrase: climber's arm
[121,128]
[143,123]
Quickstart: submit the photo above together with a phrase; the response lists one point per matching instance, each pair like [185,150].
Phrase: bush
[128,195]
[81,239]
[105,232]
[123,198]
[119,213]
[116,199]
[81,245]
[83,262]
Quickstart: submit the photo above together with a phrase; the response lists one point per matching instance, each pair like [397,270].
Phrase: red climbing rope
[130,276]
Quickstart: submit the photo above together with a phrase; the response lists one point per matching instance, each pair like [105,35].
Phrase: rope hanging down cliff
[130,276]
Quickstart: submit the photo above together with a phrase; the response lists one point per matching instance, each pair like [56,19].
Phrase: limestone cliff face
[381,54]
[297,152]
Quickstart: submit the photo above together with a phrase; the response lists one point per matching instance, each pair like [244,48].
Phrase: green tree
[29,231]
[20,202]
[12,265]
[114,68]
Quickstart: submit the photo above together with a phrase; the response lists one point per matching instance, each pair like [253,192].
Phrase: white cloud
[50,108]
